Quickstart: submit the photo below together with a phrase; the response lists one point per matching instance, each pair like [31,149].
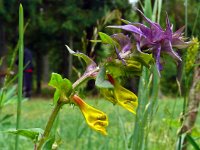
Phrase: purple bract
[152,39]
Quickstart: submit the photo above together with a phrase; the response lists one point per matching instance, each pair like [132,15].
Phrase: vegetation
[73,130]
[125,50]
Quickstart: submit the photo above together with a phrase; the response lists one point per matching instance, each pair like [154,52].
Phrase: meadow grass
[75,134]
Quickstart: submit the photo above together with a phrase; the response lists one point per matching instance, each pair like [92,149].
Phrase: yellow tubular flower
[123,97]
[109,95]
[96,119]
[126,98]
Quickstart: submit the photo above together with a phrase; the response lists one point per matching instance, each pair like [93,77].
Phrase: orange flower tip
[78,100]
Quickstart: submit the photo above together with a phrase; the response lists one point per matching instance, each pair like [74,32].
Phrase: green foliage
[48,144]
[192,142]
[63,87]
[101,82]
[118,69]
[144,58]
[20,70]
[130,64]
[87,60]
[8,96]
[148,8]
[34,134]
[75,135]
[168,84]
[106,39]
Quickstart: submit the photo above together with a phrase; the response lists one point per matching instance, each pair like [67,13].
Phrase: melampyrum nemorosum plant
[142,46]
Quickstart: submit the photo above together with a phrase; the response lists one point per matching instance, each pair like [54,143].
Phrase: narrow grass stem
[20,70]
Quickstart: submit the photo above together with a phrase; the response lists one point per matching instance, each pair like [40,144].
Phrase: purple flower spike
[154,39]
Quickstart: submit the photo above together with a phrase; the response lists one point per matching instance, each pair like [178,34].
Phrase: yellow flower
[121,96]
[96,119]
[126,98]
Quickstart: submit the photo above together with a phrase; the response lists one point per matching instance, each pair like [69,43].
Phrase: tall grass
[20,70]
[148,90]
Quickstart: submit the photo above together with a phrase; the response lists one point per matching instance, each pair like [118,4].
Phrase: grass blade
[192,142]
[20,70]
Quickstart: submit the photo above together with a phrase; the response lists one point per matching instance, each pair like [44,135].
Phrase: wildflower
[154,39]
[121,96]
[96,119]
[124,42]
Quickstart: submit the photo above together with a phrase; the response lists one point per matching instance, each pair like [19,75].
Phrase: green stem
[50,124]
[59,105]
[20,70]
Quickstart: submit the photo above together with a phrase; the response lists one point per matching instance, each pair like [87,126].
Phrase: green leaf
[148,9]
[118,69]
[66,86]
[63,86]
[126,21]
[56,96]
[55,80]
[100,80]
[34,133]
[87,59]
[6,117]
[192,142]
[106,39]
[144,58]
[48,144]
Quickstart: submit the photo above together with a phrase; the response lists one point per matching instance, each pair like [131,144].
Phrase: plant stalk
[59,105]
[50,124]
[20,70]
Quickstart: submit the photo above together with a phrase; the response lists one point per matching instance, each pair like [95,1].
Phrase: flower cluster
[153,39]
[129,55]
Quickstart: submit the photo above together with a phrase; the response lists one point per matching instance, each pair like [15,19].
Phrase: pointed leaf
[63,86]
[126,21]
[33,134]
[6,117]
[192,142]
[106,39]
[55,80]
[144,58]
[87,59]
[128,27]
[101,82]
